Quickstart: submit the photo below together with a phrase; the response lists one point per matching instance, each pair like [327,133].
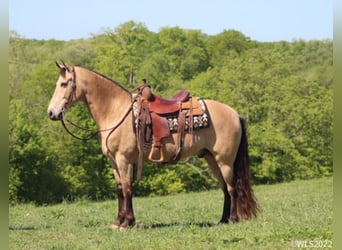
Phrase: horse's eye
[64,84]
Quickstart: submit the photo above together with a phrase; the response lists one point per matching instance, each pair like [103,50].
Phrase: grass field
[291,214]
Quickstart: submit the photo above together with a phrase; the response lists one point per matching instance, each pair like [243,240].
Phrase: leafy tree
[33,174]
[122,50]
[78,52]
[226,44]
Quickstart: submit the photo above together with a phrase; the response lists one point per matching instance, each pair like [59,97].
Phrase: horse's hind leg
[217,172]
[227,172]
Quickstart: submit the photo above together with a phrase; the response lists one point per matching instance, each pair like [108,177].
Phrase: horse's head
[65,92]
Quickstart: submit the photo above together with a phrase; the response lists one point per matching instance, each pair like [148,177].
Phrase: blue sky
[261,20]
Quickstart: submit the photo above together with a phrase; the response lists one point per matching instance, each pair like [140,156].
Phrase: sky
[260,20]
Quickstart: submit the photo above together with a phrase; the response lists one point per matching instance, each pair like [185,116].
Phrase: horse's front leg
[121,209]
[129,220]
[123,173]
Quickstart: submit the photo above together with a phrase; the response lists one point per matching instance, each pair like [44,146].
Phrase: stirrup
[161,158]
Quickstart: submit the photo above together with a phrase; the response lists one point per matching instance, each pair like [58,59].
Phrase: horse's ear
[68,68]
[62,68]
[58,65]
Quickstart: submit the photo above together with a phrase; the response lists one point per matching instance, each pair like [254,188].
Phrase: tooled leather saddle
[157,118]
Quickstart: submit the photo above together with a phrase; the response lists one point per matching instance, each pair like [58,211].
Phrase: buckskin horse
[223,143]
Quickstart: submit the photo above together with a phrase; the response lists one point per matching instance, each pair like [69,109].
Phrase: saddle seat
[163,106]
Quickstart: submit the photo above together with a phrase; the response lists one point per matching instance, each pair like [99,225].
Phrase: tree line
[283,90]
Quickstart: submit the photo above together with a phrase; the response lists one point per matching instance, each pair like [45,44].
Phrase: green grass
[300,210]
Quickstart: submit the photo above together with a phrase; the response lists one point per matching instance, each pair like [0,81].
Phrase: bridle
[94,132]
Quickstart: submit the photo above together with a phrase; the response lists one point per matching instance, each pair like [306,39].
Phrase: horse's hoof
[115,227]
[223,221]
[233,220]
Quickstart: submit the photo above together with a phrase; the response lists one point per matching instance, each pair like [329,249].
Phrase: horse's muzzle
[55,117]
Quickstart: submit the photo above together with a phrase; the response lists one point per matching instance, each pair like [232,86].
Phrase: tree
[122,50]
[227,43]
[34,175]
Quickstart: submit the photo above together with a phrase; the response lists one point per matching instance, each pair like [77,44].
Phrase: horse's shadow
[22,228]
[175,224]
[204,224]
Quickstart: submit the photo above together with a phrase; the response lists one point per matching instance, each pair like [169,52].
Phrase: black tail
[246,202]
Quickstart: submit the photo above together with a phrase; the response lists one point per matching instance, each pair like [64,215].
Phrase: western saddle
[152,126]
